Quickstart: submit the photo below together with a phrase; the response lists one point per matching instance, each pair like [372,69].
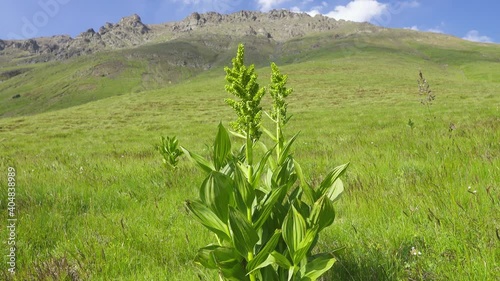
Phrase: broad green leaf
[308,192]
[243,188]
[323,213]
[222,147]
[215,192]
[267,274]
[286,150]
[270,161]
[305,245]
[281,260]
[269,260]
[225,259]
[244,169]
[199,160]
[334,191]
[243,234]
[285,175]
[331,178]
[259,260]
[317,267]
[209,256]
[233,271]
[205,257]
[275,258]
[294,230]
[209,219]
[260,168]
[268,205]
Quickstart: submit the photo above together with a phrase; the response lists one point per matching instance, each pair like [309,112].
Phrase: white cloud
[474,36]
[438,29]
[358,10]
[412,28]
[266,5]
[312,12]
[435,30]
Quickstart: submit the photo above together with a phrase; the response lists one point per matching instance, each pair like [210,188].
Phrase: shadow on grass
[353,268]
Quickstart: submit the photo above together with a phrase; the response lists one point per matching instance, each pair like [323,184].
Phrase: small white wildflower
[415,252]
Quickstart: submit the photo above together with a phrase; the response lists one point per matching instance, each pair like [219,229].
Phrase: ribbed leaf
[259,260]
[205,258]
[286,150]
[323,213]
[285,175]
[209,219]
[281,260]
[268,274]
[317,267]
[209,256]
[199,160]
[331,178]
[215,192]
[305,245]
[222,147]
[334,191]
[225,259]
[260,168]
[309,193]
[268,206]
[243,234]
[294,230]
[244,192]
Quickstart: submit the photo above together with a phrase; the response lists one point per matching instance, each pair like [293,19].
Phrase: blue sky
[473,20]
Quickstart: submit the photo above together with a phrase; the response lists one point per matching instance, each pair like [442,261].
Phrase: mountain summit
[276,25]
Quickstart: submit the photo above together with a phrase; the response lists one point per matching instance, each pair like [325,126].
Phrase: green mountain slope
[31,89]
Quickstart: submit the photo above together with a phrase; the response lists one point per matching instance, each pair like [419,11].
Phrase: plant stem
[249,158]
[249,258]
[278,136]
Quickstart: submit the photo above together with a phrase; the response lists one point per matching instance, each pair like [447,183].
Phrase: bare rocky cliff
[276,25]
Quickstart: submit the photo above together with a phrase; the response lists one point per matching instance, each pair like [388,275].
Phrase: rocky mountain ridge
[277,25]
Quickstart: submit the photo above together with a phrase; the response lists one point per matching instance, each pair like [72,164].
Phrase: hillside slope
[28,89]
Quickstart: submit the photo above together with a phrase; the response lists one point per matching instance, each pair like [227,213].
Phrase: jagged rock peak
[214,17]
[281,14]
[134,21]
[135,18]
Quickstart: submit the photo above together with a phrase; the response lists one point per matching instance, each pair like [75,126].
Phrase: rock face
[277,25]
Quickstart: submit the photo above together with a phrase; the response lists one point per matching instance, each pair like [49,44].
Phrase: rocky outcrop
[277,25]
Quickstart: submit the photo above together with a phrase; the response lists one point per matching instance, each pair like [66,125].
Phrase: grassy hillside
[95,203]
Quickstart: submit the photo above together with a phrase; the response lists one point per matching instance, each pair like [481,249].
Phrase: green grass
[94,200]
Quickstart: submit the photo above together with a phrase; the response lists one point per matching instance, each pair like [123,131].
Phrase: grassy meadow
[422,202]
